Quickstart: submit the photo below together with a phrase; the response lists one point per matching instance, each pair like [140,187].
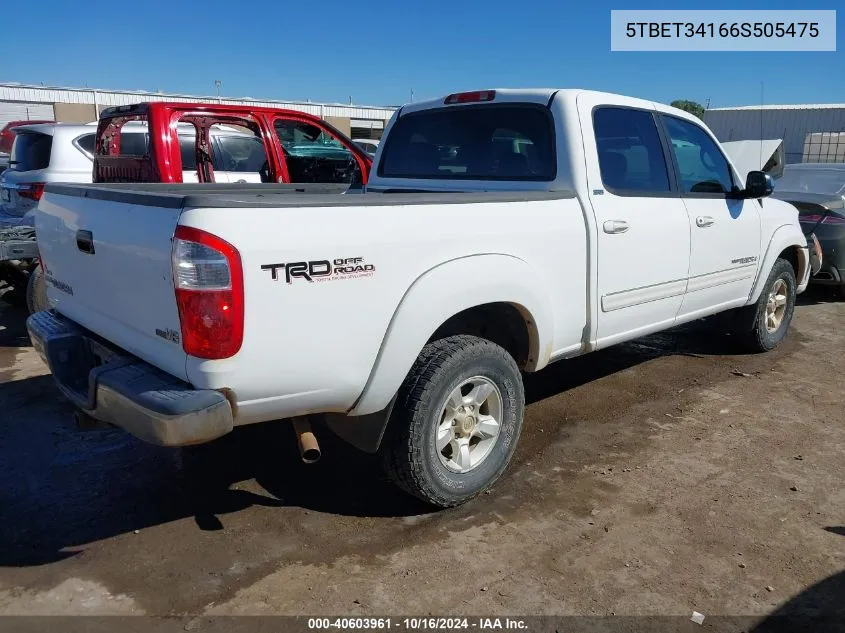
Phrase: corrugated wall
[792,125]
[24,111]
[33,94]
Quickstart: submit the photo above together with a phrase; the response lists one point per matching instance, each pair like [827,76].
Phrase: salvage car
[290,146]
[817,190]
[213,143]
[556,223]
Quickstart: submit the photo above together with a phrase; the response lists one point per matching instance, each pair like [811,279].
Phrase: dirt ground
[663,477]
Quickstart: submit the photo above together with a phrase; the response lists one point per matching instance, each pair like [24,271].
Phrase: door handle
[703,220]
[85,241]
[615,226]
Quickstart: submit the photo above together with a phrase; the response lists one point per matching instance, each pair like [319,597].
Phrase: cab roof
[540,96]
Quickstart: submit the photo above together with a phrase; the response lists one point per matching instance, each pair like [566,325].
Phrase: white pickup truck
[500,231]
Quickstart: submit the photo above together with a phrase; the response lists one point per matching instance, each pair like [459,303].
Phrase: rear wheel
[763,325]
[456,421]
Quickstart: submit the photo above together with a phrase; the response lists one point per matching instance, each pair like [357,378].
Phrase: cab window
[631,156]
[313,155]
[702,168]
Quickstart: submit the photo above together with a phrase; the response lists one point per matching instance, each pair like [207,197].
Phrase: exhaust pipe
[308,446]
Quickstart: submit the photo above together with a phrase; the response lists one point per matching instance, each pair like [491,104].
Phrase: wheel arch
[436,305]
[787,242]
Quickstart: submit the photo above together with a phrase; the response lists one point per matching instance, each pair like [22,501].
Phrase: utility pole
[707,107]
[412,95]
[217,84]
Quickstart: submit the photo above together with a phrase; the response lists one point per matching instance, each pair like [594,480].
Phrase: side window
[241,153]
[312,155]
[701,165]
[188,150]
[631,155]
[86,143]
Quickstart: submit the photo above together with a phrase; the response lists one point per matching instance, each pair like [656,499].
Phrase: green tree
[689,106]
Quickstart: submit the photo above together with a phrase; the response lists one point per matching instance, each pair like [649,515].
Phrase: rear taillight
[32,190]
[823,219]
[208,277]
[833,219]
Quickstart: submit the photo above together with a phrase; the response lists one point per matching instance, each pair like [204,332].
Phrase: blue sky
[377,51]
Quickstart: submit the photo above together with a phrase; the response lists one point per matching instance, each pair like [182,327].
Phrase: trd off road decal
[321,270]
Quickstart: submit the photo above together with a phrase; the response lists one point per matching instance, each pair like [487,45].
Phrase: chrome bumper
[114,387]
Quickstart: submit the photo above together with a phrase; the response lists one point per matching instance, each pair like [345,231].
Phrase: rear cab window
[31,151]
[134,143]
[477,142]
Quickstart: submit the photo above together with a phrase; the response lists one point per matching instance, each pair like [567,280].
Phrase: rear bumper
[114,387]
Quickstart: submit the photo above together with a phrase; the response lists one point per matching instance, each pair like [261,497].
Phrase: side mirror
[758,184]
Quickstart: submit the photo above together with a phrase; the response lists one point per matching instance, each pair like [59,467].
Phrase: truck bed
[226,195]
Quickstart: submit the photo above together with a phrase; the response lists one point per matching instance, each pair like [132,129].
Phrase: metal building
[81,105]
[810,133]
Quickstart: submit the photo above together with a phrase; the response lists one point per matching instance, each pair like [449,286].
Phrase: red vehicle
[7,134]
[192,142]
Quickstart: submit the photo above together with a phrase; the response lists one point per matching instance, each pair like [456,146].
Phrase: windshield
[31,151]
[486,142]
[823,180]
[299,134]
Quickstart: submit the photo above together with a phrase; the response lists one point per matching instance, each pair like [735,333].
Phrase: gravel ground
[662,477]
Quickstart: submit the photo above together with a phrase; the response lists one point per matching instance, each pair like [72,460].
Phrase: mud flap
[364,432]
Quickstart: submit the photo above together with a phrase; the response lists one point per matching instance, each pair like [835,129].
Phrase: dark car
[818,191]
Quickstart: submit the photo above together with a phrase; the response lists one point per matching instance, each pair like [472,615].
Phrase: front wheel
[456,421]
[764,324]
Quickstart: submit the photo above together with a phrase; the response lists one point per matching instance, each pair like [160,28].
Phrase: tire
[409,451]
[754,321]
[36,291]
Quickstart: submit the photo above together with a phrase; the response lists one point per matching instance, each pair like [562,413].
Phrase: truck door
[314,154]
[724,231]
[642,226]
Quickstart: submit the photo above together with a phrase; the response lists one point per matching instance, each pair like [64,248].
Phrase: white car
[42,153]
[367,144]
[502,230]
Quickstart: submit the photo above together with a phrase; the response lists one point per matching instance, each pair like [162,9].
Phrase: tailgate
[107,264]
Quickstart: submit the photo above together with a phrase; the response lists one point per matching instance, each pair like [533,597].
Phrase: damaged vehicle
[274,146]
[817,190]
[212,143]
